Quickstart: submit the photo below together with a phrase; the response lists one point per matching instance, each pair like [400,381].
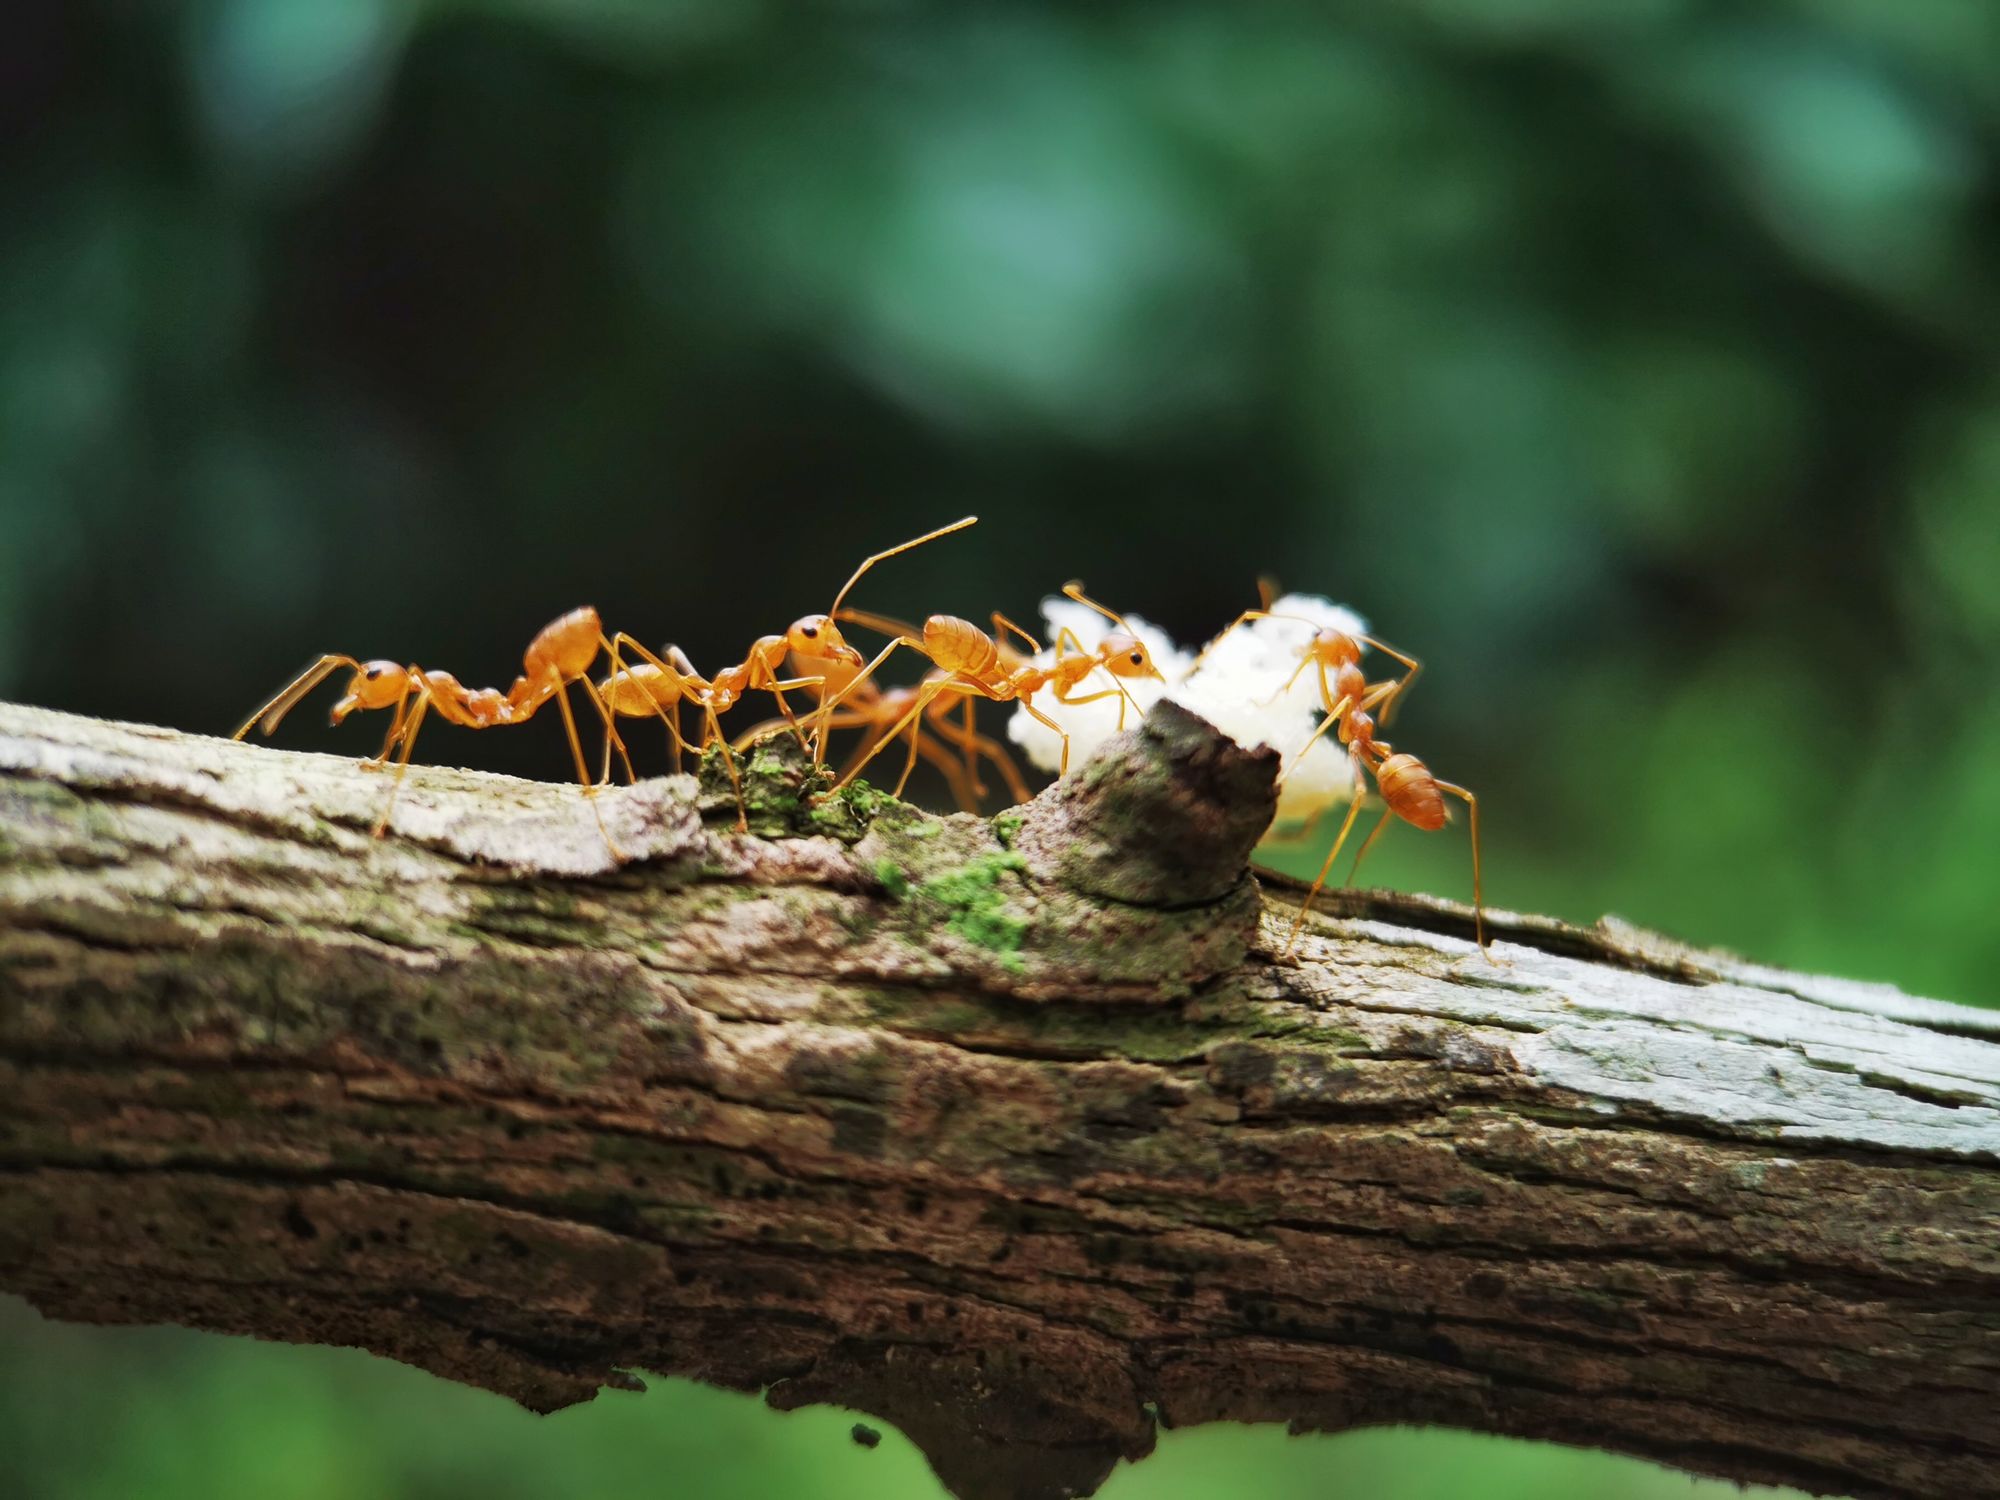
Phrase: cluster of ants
[967,665]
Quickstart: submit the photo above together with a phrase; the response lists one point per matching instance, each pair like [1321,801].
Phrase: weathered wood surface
[1014,1133]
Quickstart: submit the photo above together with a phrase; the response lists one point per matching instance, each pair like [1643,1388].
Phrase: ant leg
[766,729]
[1223,634]
[1010,773]
[611,736]
[778,691]
[403,761]
[1241,620]
[1319,880]
[591,788]
[1368,843]
[561,695]
[1117,689]
[395,721]
[1305,660]
[955,777]
[991,749]
[941,758]
[829,704]
[1478,900]
[1297,834]
[1244,619]
[785,708]
[1003,625]
[721,740]
[916,733]
[680,672]
[923,699]
[971,756]
[1391,701]
[757,733]
[871,736]
[609,715]
[1333,716]
[1062,766]
[286,698]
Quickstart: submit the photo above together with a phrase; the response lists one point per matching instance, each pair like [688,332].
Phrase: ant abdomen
[960,646]
[1411,791]
[566,646]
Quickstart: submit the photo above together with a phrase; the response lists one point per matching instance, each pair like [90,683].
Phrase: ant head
[1126,656]
[375,684]
[1336,648]
[817,636]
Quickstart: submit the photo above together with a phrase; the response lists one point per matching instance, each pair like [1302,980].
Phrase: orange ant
[1413,793]
[975,664]
[653,685]
[876,711]
[561,653]
[876,715]
[1410,789]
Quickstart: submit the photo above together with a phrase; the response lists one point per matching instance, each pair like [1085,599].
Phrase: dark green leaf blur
[1636,365]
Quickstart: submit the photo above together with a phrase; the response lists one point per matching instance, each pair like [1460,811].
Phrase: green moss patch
[976,904]
[785,795]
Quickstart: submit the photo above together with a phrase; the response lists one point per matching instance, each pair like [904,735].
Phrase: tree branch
[1013,1133]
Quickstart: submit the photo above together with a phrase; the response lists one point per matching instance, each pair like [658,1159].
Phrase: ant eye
[1138,657]
[373,673]
[810,632]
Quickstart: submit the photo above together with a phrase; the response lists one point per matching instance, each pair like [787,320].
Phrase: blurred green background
[1638,366]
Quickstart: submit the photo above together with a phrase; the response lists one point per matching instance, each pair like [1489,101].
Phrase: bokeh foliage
[1636,365]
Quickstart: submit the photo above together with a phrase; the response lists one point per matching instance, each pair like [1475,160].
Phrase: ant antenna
[1074,590]
[867,563]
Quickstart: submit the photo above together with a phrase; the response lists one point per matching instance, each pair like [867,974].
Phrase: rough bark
[1014,1133]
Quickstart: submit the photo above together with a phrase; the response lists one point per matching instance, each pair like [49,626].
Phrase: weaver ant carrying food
[975,664]
[560,654]
[1328,650]
[1410,790]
